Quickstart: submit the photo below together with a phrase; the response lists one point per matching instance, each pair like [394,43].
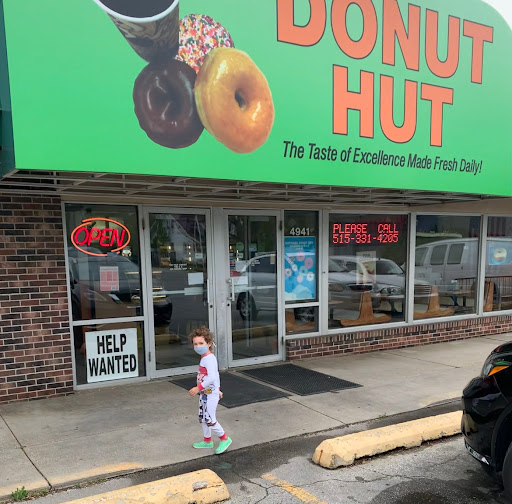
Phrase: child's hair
[202,332]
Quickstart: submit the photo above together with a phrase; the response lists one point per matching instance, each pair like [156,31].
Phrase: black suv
[487,415]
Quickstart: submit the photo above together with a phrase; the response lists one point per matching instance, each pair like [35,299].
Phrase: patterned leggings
[207,415]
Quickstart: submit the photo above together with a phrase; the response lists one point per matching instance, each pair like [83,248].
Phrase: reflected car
[256,290]
[387,277]
[487,416]
[84,272]
[255,287]
[348,278]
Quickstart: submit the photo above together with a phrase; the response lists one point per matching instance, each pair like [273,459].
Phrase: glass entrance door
[254,286]
[179,279]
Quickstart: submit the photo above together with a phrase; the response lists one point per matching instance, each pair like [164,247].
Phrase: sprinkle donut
[199,34]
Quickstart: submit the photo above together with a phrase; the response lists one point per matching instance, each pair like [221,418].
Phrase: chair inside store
[293,326]
[366,314]
[488,296]
[498,293]
[433,308]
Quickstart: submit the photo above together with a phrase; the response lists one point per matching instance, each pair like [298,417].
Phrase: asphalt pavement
[280,472]
[101,433]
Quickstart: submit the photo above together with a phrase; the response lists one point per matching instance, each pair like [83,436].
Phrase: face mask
[201,350]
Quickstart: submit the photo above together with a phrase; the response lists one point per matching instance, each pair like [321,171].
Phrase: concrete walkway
[99,433]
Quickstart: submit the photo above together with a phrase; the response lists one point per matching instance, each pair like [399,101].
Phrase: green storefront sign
[381,93]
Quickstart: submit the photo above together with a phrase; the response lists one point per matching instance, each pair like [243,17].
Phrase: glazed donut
[233,100]
[199,34]
[163,96]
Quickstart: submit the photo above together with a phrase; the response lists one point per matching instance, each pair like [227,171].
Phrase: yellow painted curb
[342,451]
[103,471]
[199,487]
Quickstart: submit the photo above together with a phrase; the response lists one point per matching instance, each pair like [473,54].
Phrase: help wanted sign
[111,355]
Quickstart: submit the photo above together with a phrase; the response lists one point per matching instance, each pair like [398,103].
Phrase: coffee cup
[151,27]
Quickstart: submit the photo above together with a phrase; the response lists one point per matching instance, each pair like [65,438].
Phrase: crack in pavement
[266,495]
[341,424]
[425,360]
[248,480]
[22,448]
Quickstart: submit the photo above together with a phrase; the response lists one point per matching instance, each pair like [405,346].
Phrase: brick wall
[35,349]
[386,339]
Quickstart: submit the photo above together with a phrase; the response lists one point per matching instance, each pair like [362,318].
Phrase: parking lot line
[297,492]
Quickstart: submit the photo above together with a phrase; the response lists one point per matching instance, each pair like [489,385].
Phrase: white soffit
[121,187]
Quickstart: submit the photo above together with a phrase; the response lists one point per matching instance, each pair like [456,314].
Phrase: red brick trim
[35,348]
[401,337]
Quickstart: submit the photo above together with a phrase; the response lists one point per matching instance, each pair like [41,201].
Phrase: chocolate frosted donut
[163,96]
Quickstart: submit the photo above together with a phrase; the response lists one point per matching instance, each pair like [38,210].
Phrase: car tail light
[492,367]
[497,369]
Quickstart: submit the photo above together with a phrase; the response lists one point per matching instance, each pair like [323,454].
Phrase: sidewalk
[100,433]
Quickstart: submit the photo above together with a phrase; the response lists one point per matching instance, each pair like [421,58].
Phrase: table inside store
[456,294]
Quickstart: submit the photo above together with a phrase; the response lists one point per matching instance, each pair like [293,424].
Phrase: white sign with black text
[111,355]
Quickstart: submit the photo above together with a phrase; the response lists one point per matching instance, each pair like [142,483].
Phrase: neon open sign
[114,238]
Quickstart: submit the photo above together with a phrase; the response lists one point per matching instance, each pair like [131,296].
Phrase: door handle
[232,289]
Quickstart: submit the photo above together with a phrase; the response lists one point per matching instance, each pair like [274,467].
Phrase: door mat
[298,380]
[237,390]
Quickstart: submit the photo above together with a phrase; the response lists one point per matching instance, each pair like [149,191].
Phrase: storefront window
[446,259]
[105,283]
[301,271]
[367,283]
[104,261]
[498,265]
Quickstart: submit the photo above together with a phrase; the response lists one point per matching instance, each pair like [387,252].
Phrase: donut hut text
[415,38]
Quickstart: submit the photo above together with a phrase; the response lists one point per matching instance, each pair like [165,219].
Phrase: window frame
[136,319]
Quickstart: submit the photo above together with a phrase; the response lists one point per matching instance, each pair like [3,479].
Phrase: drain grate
[298,380]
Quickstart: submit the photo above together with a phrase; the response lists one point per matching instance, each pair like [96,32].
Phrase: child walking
[208,388]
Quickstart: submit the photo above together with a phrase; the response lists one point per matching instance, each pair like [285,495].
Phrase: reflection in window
[367,284]
[498,265]
[179,279]
[253,285]
[455,254]
[104,279]
[438,255]
[446,265]
[263,264]
[421,253]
